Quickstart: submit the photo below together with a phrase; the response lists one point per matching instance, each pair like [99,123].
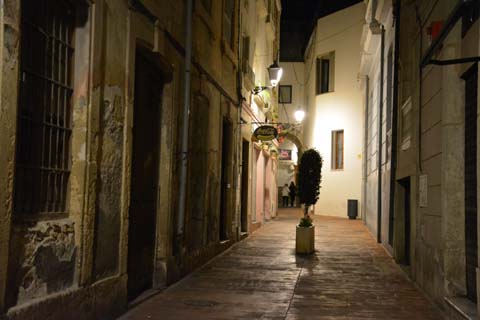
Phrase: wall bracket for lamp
[258,89]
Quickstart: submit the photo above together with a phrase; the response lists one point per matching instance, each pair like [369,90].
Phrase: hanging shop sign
[265,133]
[284,154]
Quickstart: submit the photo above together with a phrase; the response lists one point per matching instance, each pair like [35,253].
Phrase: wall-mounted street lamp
[275,73]
[299,115]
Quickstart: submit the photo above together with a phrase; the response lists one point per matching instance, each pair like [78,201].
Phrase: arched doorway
[290,150]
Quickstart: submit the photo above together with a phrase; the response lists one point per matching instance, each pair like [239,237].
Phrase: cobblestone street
[349,277]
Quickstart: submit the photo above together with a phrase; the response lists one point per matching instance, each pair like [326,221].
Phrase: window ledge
[323,93]
[462,307]
[38,217]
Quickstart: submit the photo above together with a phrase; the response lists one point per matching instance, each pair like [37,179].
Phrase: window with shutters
[44,107]
[337,150]
[228,22]
[245,54]
[246,61]
[325,73]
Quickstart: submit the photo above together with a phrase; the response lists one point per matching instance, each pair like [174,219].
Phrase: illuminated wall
[340,109]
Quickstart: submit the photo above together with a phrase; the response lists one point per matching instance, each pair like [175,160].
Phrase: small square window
[285,94]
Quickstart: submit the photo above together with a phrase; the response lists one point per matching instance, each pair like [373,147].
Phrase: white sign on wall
[423,190]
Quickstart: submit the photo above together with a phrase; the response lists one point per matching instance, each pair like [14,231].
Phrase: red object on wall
[434,29]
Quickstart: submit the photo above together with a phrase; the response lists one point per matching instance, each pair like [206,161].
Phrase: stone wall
[436,150]
[75,265]
[44,260]
[9,36]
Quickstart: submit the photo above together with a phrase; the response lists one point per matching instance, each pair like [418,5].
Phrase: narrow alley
[350,276]
[156,156]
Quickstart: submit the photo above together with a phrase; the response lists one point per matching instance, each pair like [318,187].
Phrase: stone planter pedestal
[305,240]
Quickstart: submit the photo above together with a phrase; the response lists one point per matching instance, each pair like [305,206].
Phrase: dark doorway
[471,254]
[143,194]
[244,196]
[405,194]
[226,156]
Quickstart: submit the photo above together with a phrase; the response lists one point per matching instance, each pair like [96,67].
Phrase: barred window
[44,121]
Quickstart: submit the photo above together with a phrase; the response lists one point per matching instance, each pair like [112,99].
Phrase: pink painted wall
[274,188]
[260,192]
[268,188]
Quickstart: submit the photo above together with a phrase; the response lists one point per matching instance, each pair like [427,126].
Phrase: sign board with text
[265,133]
[284,154]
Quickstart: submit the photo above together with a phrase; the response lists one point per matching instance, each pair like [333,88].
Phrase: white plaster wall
[285,173]
[293,75]
[341,109]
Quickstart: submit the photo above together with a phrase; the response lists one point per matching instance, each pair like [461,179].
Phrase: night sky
[298,20]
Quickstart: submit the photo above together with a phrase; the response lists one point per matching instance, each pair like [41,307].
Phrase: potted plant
[309,178]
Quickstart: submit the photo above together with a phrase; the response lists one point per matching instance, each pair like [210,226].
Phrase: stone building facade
[92,94]
[376,82]
[425,109]
[260,36]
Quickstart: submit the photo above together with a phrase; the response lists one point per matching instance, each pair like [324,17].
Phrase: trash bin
[352,209]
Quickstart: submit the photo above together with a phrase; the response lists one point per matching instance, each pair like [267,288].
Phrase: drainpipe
[393,160]
[365,148]
[420,84]
[380,138]
[185,116]
[240,167]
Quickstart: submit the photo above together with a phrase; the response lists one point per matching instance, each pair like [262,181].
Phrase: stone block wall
[75,265]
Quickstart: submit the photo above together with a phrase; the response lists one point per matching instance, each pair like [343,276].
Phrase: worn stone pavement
[349,277]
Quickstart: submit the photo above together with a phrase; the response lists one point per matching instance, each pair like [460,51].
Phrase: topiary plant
[309,178]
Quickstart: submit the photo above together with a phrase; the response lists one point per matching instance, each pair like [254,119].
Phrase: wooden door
[144,177]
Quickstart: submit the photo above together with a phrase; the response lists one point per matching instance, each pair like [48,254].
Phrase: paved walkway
[349,277]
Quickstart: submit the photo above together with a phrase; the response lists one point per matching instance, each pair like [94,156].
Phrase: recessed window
[325,71]
[284,94]
[337,150]
[44,109]
[245,54]
[228,21]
